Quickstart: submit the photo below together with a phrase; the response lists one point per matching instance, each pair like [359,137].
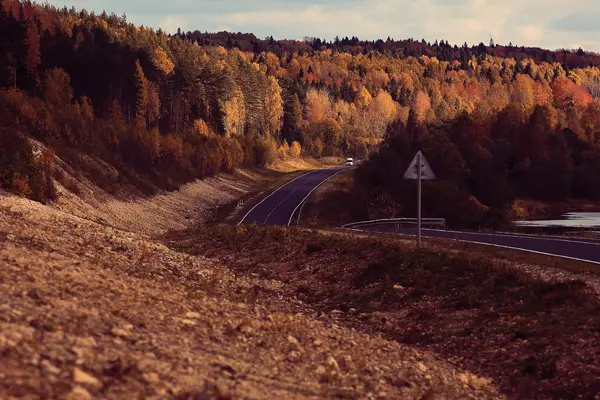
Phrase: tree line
[165,109]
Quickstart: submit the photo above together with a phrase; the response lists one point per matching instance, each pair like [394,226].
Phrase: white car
[349,161]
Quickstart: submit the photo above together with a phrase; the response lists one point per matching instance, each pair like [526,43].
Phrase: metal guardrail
[438,222]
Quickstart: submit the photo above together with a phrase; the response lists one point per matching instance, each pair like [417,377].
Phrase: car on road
[349,161]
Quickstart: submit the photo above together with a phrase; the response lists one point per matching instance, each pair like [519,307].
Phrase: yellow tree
[363,98]
[523,95]
[274,105]
[293,69]
[161,61]
[234,114]
[316,106]
[421,105]
[201,128]
[382,111]
[295,149]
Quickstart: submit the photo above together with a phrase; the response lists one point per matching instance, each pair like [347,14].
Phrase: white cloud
[531,33]
[545,23]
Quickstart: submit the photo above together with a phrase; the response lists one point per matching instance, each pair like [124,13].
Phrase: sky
[550,24]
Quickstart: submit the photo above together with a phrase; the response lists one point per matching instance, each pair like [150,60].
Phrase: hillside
[531,328]
[90,311]
[499,122]
[117,142]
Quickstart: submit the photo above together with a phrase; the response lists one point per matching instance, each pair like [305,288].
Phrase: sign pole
[419,169]
[419,201]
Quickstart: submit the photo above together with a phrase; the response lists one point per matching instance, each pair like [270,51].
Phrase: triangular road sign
[412,171]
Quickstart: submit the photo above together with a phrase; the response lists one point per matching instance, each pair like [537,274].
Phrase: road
[279,207]
[581,249]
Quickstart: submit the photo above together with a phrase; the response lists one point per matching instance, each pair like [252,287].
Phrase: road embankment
[534,331]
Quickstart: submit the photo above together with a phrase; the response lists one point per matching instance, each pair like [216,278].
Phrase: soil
[183,208]
[534,331]
[89,310]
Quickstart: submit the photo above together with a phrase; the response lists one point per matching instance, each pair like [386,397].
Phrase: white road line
[529,251]
[309,193]
[492,245]
[275,191]
[576,238]
[278,204]
[550,239]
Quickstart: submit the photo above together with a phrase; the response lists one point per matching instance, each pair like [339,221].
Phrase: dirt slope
[87,310]
[190,204]
[535,333]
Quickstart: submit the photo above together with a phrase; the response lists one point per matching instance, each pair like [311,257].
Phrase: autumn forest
[497,123]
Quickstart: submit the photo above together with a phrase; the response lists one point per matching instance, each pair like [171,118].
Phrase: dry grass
[305,163]
[89,310]
[152,215]
[316,213]
[518,257]
[536,336]
[513,256]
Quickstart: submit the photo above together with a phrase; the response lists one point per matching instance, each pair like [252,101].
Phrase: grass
[316,213]
[535,338]
[509,255]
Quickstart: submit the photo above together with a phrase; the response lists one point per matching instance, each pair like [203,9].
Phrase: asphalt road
[574,248]
[279,207]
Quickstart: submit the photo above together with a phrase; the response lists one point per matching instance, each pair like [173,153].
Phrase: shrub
[266,151]
[20,185]
[283,150]
[295,149]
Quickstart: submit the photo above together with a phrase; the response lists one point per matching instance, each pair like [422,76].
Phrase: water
[571,220]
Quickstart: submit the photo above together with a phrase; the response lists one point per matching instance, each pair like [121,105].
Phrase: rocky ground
[533,329]
[151,215]
[89,310]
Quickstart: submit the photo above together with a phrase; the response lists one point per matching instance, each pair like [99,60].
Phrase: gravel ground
[91,311]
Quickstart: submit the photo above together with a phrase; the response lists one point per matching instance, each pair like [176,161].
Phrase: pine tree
[141,105]
[32,42]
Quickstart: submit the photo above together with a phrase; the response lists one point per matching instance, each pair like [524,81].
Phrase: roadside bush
[295,149]
[21,172]
[266,151]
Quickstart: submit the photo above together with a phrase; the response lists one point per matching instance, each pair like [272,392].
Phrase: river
[570,220]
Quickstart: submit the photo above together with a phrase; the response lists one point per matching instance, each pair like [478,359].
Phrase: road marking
[552,238]
[576,238]
[278,204]
[275,191]
[492,245]
[303,203]
[530,251]
[289,194]
[309,193]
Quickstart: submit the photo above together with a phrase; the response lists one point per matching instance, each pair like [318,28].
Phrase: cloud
[550,23]
[531,33]
[578,23]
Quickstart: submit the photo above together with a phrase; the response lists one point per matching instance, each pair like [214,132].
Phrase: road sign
[419,169]
[412,171]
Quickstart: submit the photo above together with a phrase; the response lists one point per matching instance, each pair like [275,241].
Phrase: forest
[496,122]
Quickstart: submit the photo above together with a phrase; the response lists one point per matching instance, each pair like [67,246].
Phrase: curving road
[281,208]
[282,205]
[580,249]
